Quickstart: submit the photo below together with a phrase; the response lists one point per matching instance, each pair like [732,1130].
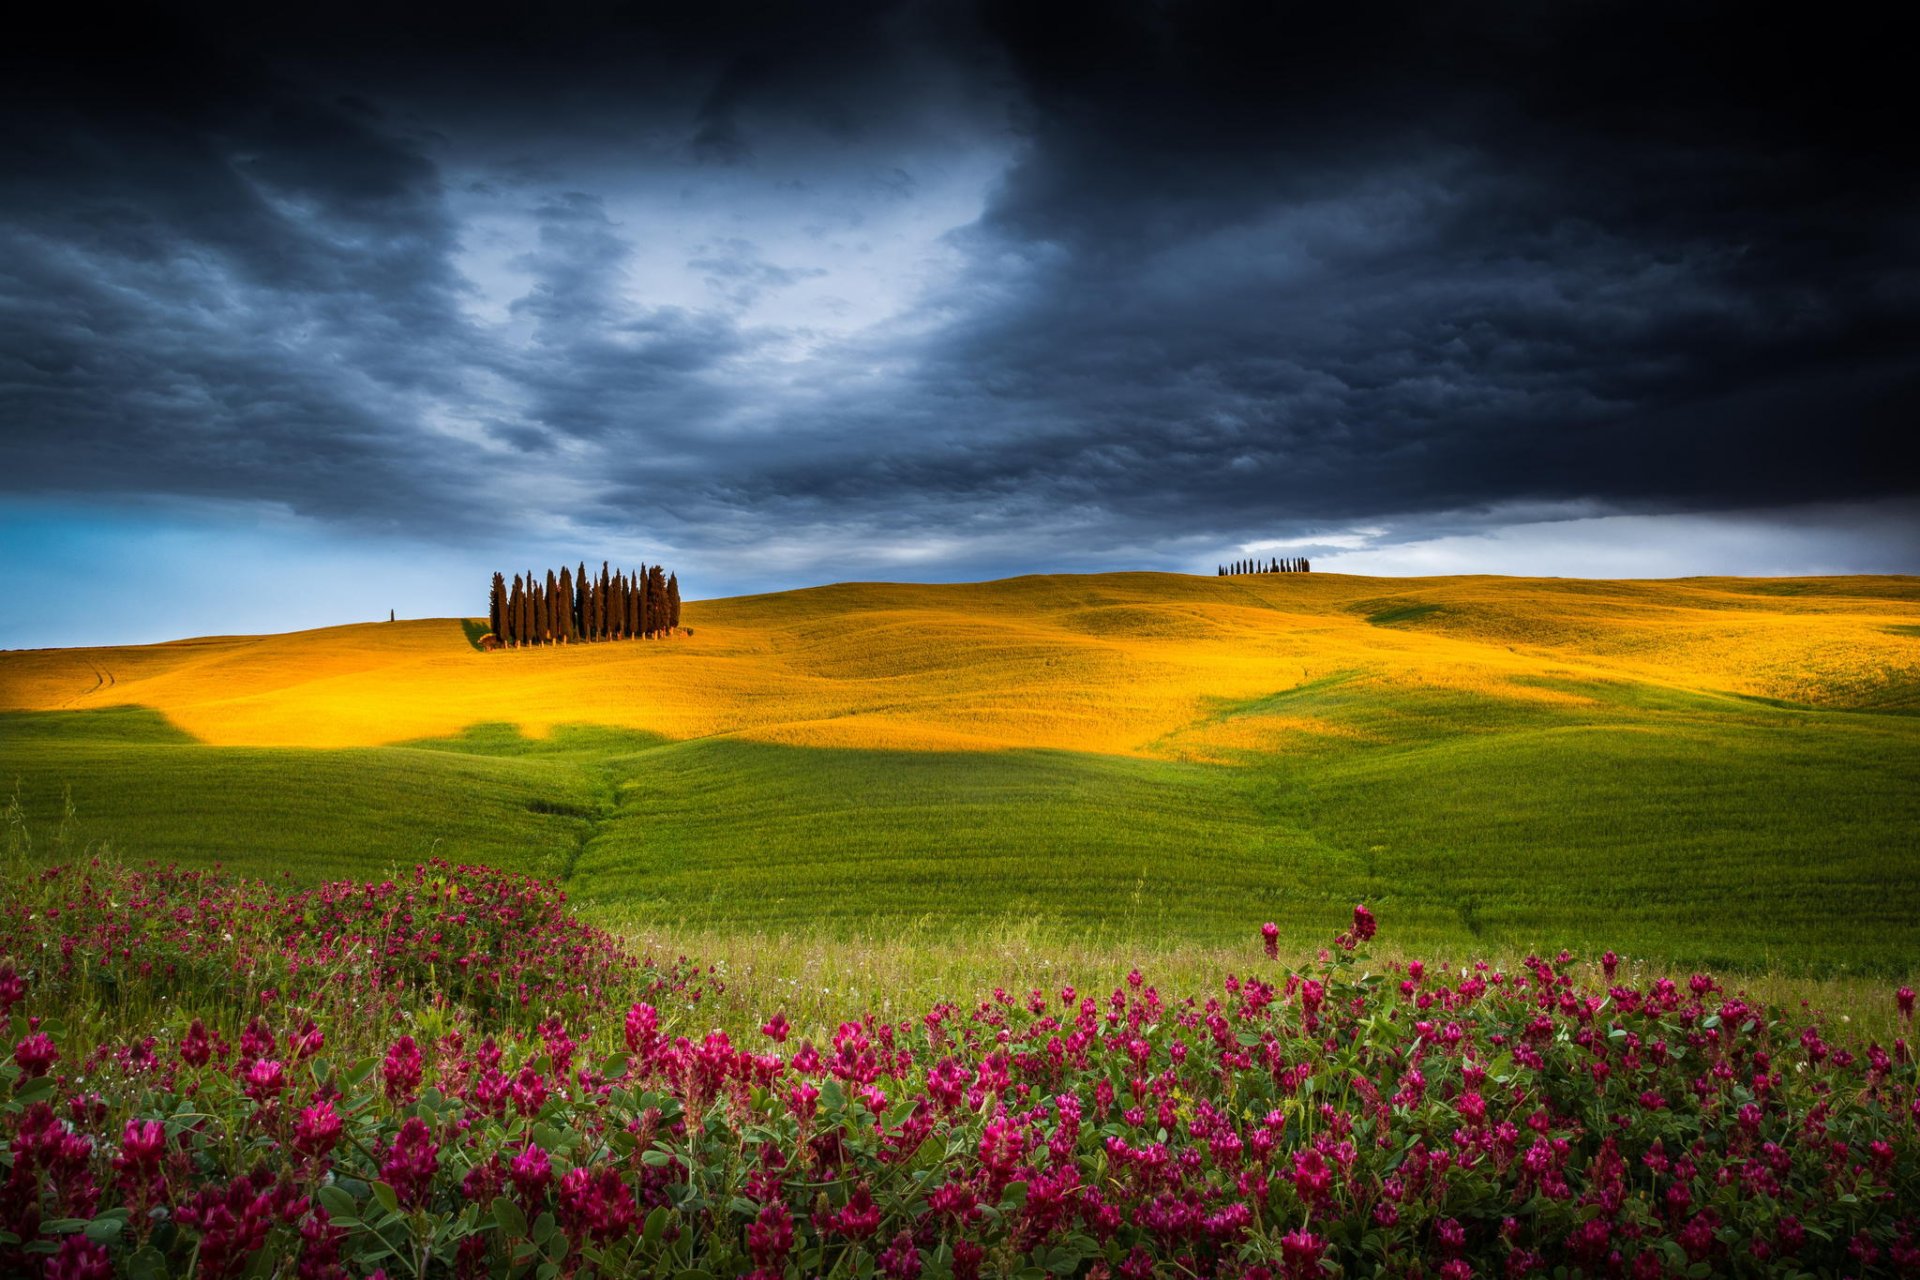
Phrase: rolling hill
[1722,770]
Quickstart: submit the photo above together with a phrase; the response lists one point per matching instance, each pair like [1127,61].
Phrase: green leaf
[1014,1196]
[147,1264]
[63,1226]
[386,1196]
[542,1228]
[656,1226]
[1062,1260]
[336,1202]
[508,1215]
[33,1090]
[103,1230]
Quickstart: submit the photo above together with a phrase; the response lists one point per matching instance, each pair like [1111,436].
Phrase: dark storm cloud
[1237,271]
[1386,262]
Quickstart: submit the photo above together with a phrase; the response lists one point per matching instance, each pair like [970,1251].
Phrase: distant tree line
[574,606]
[1286,564]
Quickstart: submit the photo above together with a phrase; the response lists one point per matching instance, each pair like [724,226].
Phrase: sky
[308,316]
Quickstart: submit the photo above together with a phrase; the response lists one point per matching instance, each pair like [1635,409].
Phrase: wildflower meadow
[449,1074]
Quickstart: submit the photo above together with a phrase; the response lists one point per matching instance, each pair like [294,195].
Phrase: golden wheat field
[1122,664]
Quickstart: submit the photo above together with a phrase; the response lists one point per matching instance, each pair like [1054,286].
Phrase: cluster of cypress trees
[574,606]
[1288,564]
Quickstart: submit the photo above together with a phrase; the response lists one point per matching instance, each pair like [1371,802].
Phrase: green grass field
[1692,828]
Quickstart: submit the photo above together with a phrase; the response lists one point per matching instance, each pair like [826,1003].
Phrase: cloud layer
[964,289]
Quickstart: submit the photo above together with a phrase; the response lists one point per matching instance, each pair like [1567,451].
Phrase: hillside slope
[1132,664]
[1722,772]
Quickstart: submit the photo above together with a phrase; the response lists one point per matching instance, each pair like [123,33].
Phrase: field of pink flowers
[452,1075]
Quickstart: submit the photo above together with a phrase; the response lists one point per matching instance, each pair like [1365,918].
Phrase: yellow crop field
[1135,664]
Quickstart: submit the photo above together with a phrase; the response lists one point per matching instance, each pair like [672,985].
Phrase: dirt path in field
[102,679]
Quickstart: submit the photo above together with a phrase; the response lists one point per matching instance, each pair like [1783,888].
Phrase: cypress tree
[512,635]
[673,602]
[496,604]
[580,602]
[600,605]
[644,622]
[566,603]
[551,602]
[657,592]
